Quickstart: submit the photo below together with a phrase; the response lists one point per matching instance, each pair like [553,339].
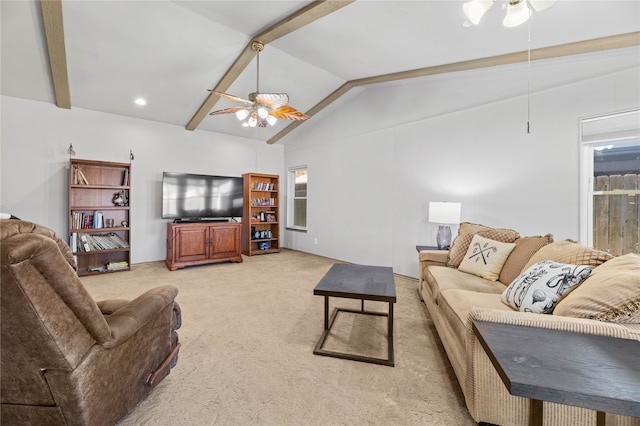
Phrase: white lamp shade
[444,212]
[475,10]
[517,13]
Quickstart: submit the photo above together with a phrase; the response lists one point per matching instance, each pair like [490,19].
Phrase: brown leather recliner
[67,360]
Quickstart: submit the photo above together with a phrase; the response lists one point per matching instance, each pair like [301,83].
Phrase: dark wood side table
[596,372]
[357,282]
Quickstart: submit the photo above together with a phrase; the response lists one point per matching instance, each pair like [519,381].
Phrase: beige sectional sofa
[455,298]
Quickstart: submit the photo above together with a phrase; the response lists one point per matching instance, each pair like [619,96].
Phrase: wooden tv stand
[201,243]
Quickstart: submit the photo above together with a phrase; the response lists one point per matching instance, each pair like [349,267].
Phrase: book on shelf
[96,242]
[115,266]
[264,245]
[125,177]
[97,220]
[261,202]
[263,186]
[111,266]
[73,242]
[83,220]
[84,246]
[82,179]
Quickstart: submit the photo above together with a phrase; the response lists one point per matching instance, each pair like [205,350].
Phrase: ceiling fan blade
[289,113]
[273,100]
[227,110]
[232,97]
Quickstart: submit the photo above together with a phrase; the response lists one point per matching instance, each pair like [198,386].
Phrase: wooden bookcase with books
[261,214]
[99,215]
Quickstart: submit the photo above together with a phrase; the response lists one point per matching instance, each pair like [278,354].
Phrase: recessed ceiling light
[140,101]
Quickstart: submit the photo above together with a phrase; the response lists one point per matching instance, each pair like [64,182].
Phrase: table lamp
[444,213]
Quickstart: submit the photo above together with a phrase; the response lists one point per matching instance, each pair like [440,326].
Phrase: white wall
[34,173]
[375,163]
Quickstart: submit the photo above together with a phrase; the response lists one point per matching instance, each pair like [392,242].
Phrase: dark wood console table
[595,372]
[203,242]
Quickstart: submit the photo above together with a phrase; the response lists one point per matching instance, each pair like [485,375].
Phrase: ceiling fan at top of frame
[260,109]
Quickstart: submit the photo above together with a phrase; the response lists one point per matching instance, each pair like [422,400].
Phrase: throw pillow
[466,232]
[540,287]
[612,293]
[485,257]
[569,251]
[526,247]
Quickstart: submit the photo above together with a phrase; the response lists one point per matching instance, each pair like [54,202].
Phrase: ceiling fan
[260,109]
[517,10]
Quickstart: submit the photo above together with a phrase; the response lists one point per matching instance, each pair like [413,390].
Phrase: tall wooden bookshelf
[93,207]
[261,214]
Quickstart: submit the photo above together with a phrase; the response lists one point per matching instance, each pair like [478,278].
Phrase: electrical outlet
[315,241]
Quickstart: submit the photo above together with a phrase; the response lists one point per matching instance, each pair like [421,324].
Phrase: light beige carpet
[248,335]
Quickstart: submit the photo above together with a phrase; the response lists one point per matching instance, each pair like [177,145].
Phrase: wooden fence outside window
[616,216]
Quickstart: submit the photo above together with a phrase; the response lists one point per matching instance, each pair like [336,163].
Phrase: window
[297,198]
[610,194]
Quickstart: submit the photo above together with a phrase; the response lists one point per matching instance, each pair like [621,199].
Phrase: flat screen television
[188,196]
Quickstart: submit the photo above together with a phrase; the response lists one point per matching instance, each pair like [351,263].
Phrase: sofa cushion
[485,257]
[611,293]
[455,306]
[466,232]
[441,278]
[540,287]
[569,251]
[526,247]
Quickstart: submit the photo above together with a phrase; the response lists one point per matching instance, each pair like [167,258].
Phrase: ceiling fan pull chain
[529,77]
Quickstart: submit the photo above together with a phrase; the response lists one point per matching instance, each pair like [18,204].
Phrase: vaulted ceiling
[104,54]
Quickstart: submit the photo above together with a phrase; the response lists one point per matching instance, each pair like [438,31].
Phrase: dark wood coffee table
[600,373]
[357,282]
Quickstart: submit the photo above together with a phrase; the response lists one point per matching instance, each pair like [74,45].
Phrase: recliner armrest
[125,320]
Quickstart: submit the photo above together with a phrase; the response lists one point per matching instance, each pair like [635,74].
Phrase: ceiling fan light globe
[263,112]
[242,114]
[252,122]
[245,124]
[517,13]
[271,120]
[475,10]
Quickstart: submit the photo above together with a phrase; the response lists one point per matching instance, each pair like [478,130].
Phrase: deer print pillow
[485,257]
[542,285]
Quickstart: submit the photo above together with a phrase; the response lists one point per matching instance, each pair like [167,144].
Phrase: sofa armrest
[552,322]
[433,257]
[125,320]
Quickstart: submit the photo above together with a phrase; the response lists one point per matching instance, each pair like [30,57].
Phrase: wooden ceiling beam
[54,32]
[319,106]
[291,23]
[568,49]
